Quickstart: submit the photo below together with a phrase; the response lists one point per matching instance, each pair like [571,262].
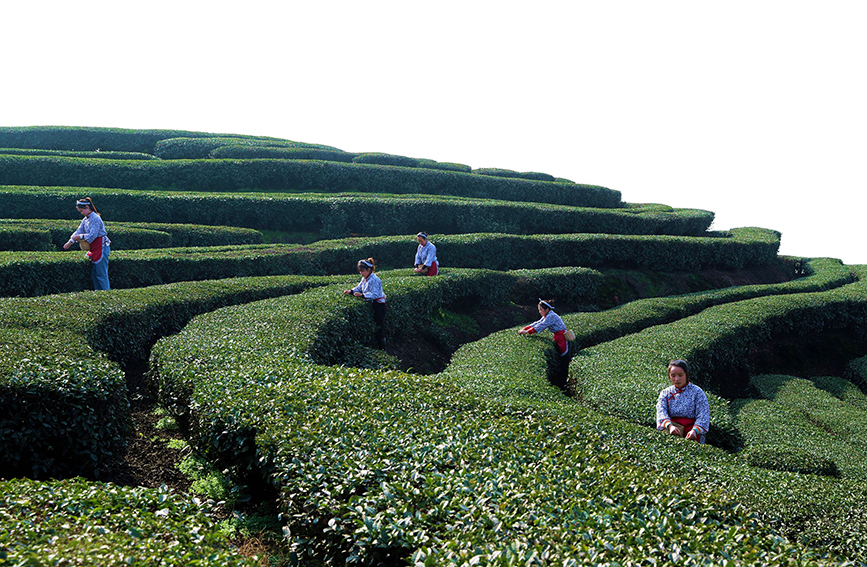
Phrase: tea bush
[357,213]
[56,272]
[280,152]
[76,138]
[384,467]
[64,405]
[200,147]
[74,522]
[50,234]
[796,415]
[510,173]
[291,175]
[70,153]
[624,376]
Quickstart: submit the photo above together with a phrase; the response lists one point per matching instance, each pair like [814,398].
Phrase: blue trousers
[99,270]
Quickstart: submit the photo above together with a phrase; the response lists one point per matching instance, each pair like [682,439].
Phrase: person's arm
[663,420]
[702,414]
[79,232]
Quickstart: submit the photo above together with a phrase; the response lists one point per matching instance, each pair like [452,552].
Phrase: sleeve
[374,288]
[357,289]
[79,230]
[542,324]
[96,228]
[662,417]
[417,256]
[431,255]
[702,412]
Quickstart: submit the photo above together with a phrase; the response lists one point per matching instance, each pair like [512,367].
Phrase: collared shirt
[426,255]
[690,402]
[371,288]
[550,321]
[91,228]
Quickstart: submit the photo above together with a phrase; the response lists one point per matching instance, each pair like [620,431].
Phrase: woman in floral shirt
[682,408]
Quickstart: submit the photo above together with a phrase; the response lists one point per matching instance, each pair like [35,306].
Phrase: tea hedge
[856,372]
[495,172]
[92,139]
[203,146]
[798,415]
[32,273]
[70,153]
[341,214]
[278,152]
[384,467]
[291,175]
[74,522]
[51,234]
[63,404]
[623,377]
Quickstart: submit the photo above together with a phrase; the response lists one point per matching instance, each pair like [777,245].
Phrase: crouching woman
[682,408]
[370,289]
[549,320]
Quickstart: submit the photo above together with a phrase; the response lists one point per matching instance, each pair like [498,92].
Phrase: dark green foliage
[279,152]
[70,153]
[25,273]
[343,214]
[202,147]
[291,175]
[385,159]
[514,174]
[788,458]
[384,467]
[75,522]
[856,372]
[75,138]
[43,234]
[64,407]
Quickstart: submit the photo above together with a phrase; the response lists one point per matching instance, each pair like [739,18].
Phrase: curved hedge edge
[53,272]
[624,376]
[802,415]
[42,521]
[272,175]
[64,404]
[341,214]
[350,448]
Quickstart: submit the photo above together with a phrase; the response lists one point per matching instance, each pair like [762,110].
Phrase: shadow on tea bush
[789,459]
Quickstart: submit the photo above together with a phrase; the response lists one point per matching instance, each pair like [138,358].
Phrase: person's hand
[76,238]
[692,435]
[347,291]
[359,294]
[674,430]
[522,331]
[66,246]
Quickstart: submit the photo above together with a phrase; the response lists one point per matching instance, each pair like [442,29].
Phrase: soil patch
[146,460]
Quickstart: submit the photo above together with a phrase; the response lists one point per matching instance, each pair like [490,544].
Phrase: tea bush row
[819,432]
[64,405]
[63,402]
[204,146]
[74,138]
[624,376]
[70,153]
[341,214]
[51,234]
[40,273]
[74,522]
[292,175]
[382,467]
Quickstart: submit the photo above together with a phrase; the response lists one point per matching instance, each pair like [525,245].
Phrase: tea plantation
[230,255]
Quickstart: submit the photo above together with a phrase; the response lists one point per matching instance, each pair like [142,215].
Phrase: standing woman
[549,320]
[425,256]
[682,408]
[370,289]
[91,236]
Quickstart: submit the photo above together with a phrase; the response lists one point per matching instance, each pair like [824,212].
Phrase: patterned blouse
[690,401]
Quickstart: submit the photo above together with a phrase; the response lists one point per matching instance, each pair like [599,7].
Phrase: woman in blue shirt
[682,408]
[370,289]
[92,236]
[425,256]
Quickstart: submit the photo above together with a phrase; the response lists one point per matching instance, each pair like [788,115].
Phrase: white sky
[752,109]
